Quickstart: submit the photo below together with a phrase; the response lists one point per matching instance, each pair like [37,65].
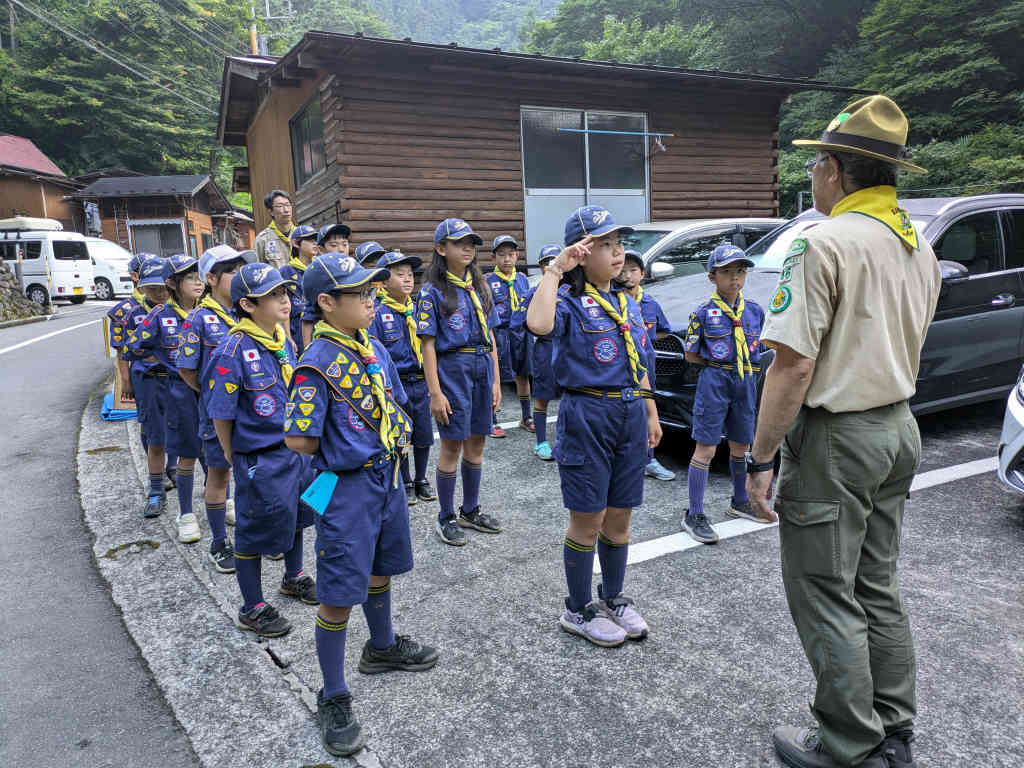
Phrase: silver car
[1011,442]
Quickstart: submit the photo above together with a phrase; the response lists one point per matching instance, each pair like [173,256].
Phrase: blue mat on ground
[109,413]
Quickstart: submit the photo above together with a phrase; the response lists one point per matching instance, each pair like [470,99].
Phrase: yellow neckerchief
[177,308]
[276,344]
[621,318]
[297,263]
[513,297]
[410,321]
[364,349]
[140,299]
[286,239]
[468,286]
[742,351]
[639,295]
[215,306]
[879,203]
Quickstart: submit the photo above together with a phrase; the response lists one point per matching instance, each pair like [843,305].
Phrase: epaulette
[231,344]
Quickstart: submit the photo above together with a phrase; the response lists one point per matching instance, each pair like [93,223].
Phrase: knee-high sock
[156,484]
[738,470]
[185,480]
[420,454]
[446,494]
[216,513]
[377,610]
[540,424]
[697,480]
[247,571]
[172,461]
[330,652]
[293,557]
[613,566]
[471,474]
[524,406]
[579,567]
[405,470]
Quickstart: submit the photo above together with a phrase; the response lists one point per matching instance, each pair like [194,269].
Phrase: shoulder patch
[798,246]
[782,299]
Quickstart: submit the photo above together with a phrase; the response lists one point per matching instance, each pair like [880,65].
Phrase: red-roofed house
[32,185]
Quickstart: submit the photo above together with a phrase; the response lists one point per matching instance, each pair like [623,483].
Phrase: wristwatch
[753,467]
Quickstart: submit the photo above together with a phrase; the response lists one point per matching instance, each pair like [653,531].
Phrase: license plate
[78,290]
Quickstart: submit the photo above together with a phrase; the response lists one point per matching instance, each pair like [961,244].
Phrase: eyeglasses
[809,167]
[365,295]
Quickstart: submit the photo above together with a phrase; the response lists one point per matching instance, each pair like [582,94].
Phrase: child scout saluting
[606,422]
[723,336]
[395,325]
[150,383]
[656,323]
[345,412]
[509,289]
[248,378]
[304,248]
[545,388]
[456,314]
[207,326]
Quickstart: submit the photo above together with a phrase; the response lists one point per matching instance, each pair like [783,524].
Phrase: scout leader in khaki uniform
[848,319]
[274,244]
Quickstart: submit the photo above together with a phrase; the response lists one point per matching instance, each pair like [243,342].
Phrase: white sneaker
[229,512]
[621,610]
[188,529]
[593,624]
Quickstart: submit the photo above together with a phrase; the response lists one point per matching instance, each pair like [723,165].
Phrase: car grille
[670,355]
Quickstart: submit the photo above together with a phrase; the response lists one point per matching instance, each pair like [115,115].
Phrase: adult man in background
[848,319]
[273,244]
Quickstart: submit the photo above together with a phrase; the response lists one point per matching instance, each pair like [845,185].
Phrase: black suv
[975,345]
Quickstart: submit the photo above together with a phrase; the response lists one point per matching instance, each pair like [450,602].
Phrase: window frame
[1000,245]
[297,120]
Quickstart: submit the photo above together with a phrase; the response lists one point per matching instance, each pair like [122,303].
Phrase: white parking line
[679,542]
[503,425]
[45,336]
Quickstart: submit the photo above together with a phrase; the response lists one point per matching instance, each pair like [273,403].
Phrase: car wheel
[38,294]
[77,299]
[104,291]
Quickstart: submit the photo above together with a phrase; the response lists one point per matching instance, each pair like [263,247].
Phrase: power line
[74,35]
[225,36]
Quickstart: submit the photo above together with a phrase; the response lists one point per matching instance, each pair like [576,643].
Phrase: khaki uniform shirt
[272,250]
[852,297]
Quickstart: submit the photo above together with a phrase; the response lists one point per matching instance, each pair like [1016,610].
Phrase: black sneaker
[745,510]
[301,587]
[223,557]
[340,731]
[425,491]
[410,493]
[449,532]
[405,654]
[171,479]
[154,506]
[699,528]
[896,748]
[478,521]
[265,621]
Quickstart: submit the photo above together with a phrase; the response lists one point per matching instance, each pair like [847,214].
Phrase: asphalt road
[74,690]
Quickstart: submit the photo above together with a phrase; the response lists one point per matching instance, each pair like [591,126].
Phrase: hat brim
[736,260]
[825,147]
[413,261]
[607,229]
[506,242]
[477,240]
[268,289]
[181,270]
[362,259]
[248,256]
[344,230]
[153,280]
[360,277]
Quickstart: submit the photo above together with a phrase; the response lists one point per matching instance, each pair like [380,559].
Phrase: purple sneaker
[593,624]
[620,610]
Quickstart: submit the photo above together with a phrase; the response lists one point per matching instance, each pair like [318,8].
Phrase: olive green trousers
[842,486]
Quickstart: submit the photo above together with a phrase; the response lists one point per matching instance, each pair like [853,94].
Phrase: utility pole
[264,40]
[10,13]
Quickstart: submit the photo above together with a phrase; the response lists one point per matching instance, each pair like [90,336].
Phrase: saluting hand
[440,408]
[574,255]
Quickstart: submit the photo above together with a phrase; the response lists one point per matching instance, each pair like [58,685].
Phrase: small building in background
[165,214]
[32,185]
[391,137]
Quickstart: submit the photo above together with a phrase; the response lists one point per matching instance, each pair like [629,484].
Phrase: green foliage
[669,45]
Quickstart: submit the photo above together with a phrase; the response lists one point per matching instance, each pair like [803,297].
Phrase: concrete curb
[27,320]
[235,704]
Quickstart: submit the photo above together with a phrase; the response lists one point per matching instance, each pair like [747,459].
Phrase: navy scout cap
[254,280]
[181,263]
[136,261]
[397,257]
[501,240]
[725,254]
[368,249]
[591,220]
[154,271]
[548,253]
[455,229]
[335,272]
[302,233]
[329,229]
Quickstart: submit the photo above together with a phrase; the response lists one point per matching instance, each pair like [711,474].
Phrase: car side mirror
[660,270]
[952,270]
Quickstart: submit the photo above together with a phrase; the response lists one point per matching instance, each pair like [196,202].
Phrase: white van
[54,264]
[110,268]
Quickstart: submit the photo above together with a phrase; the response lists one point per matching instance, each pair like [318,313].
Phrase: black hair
[576,279]
[220,268]
[241,313]
[176,279]
[437,276]
[268,200]
[865,171]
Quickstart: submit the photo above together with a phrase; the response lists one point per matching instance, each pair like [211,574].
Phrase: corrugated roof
[19,152]
[146,186]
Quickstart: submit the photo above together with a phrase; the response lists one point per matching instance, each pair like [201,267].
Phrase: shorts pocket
[568,457]
[269,486]
[809,535]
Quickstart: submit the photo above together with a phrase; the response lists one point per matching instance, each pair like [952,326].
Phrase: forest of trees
[957,68]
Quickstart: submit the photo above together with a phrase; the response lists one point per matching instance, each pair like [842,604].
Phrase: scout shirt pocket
[810,538]
[594,319]
[257,376]
[718,337]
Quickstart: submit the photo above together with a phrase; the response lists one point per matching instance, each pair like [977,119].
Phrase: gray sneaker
[699,528]
[302,588]
[593,624]
[265,621]
[745,510]
[340,731]
[478,521]
[801,748]
[449,532]
[621,610]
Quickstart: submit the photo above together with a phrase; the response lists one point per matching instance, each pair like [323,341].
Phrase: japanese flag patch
[211,319]
[251,355]
[387,317]
[588,301]
[169,322]
[714,313]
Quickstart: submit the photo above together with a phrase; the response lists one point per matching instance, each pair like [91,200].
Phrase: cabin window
[307,133]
